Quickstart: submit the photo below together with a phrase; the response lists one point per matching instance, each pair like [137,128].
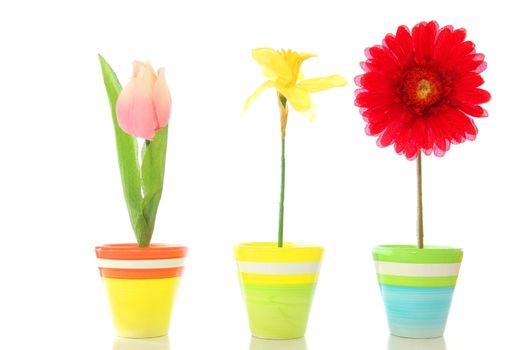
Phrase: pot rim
[270,252]
[274,245]
[132,251]
[412,254]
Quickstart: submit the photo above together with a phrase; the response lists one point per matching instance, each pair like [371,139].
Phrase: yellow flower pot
[141,284]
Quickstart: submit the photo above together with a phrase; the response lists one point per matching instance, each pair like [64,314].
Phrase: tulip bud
[143,106]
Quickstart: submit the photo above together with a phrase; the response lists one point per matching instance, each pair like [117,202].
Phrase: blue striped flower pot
[417,287]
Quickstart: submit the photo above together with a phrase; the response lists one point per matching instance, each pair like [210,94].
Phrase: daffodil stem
[420,209]
[282,194]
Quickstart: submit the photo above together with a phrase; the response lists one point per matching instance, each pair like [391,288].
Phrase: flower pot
[417,287]
[278,285]
[141,284]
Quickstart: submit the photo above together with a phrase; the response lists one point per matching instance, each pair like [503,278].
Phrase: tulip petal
[137,66]
[298,98]
[256,93]
[135,110]
[320,84]
[273,63]
[162,100]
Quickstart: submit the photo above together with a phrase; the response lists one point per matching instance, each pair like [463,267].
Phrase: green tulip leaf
[128,161]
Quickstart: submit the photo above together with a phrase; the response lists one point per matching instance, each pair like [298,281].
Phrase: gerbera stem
[420,209]
[284,116]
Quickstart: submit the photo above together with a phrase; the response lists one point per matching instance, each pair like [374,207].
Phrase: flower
[283,70]
[143,106]
[421,88]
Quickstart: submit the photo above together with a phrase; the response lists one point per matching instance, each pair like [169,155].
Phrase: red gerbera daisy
[420,89]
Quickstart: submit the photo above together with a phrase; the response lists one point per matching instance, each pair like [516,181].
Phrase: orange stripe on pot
[141,273]
[131,251]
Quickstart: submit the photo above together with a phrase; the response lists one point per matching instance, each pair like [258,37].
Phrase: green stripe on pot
[411,254]
[280,311]
[406,281]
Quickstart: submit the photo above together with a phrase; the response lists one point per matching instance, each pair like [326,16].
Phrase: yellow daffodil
[283,70]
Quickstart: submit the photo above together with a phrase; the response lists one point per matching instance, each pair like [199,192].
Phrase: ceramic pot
[141,284]
[278,285]
[417,287]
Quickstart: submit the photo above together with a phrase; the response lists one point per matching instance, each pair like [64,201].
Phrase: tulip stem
[420,209]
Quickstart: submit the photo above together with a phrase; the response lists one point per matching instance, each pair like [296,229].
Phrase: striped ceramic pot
[417,287]
[278,285]
[141,284]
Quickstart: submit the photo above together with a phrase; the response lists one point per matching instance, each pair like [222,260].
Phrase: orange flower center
[421,89]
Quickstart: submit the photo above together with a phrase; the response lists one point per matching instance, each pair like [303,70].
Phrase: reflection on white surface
[160,343]
[397,343]
[267,344]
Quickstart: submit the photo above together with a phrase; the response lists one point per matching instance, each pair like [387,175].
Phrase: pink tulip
[143,106]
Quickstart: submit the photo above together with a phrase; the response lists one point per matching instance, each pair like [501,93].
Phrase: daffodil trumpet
[282,69]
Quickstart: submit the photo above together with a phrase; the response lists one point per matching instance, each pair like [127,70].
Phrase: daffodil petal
[320,84]
[298,98]
[310,115]
[273,63]
[256,93]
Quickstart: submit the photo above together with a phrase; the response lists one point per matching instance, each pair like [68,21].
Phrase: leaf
[127,156]
[153,164]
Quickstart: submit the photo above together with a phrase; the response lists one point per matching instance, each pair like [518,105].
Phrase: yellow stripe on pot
[270,252]
[270,280]
[141,308]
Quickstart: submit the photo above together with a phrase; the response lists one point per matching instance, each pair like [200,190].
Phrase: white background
[61,193]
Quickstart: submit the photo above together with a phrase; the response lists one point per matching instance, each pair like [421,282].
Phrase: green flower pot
[278,285]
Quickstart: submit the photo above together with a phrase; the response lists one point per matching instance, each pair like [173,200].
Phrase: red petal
[388,136]
[457,54]
[471,63]
[473,110]
[403,37]
[424,36]
[448,41]
[473,96]
[368,99]
[382,59]
[469,81]
[396,48]
[374,81]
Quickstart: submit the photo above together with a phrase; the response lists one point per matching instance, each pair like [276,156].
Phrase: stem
[282,194]
[420,209]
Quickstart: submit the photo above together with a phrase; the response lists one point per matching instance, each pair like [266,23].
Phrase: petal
[310,115]
[473,110]
[396,48]
[320,84]
[294,61]
[298,98]
[424,36]
[273,63]
[144,71]
[256,93]
[469,81]
[374,81]
[473,96]
[135,110]
[162,100]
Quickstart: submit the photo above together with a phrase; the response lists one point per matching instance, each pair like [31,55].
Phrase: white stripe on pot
[417,270]
[278,268]
[141,264]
